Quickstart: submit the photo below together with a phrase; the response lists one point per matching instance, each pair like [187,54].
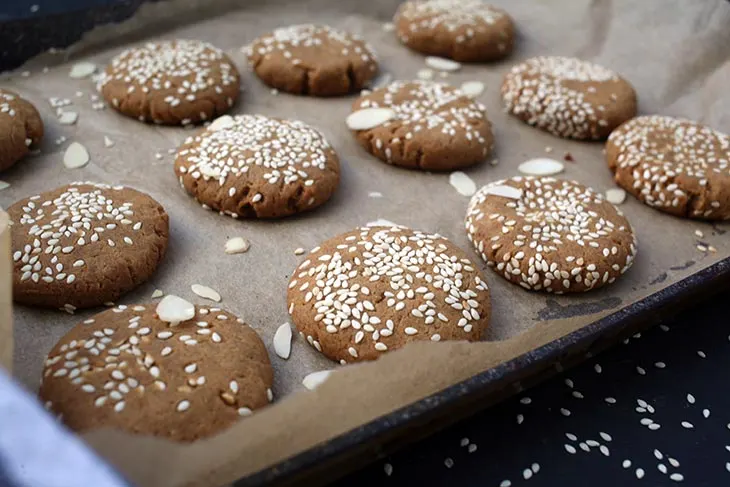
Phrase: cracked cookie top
[313,60]
[171,82]
[127,369]
[434,127]
[84,244]
[253,166]
[673,164]
[375,289]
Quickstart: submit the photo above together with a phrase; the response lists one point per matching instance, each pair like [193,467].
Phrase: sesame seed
[182,406]
[448,462]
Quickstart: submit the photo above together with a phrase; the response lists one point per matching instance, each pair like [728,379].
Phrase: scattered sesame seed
[687,424]
[448,462]
[388,469]
[626,463]
[527,474]
[570,449]
[639,473]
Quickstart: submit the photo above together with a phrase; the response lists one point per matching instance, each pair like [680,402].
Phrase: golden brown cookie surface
[252,166]
[550,235]
[21,128]
[463,30]
[84,244]
[126,369]
[568,97]
[672,164]
[171,82]
[434,127]
[313,60]
[374,289]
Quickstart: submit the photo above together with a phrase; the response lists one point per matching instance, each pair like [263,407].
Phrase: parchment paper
[675,52]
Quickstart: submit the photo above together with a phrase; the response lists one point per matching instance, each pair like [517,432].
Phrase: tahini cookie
[84,244]
[672,164]
[21,128]
[423,125]
[127,369]
[568,97]
[374,289]
[551,235]
[313,60]
[171,82]
[252,166]
[463,30]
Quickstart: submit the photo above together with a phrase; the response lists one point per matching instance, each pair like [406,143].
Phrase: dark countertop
[689,355]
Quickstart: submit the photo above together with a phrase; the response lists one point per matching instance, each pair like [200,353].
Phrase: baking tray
[376,439]
[345,452]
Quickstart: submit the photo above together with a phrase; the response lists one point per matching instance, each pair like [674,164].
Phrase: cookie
[674,165]
[568,97]
[375,289]
[434,127]
[171,82]
[126,369]
[313,60]
[21,128]
[84,244]
[252,166]
[551,235]
[463,30]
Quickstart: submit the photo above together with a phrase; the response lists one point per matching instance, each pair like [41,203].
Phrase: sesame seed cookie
[463,30]
[313,60]
[21,128]
[253,166]
[550,235]
[84,244]
[171,82]
[375,289]
[568,97]
[435,127]
[127,369]
[672,164]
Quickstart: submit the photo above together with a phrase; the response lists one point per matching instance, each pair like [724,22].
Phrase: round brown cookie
[375,289]
[171,82]
[550,235]
[84,244]
[672,164]
[21,128]
[568,97]
[313,60]
[253,166]
[434,127]
[464,30]
[127,369]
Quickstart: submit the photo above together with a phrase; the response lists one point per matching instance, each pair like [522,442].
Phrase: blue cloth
[36,451]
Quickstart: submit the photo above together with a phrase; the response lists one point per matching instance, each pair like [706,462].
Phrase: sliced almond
[68,118]
[4,185]
[173,309]
[616,196]
[222,122]
[81,70]
[315,379]
[206,292]
[472,89]
[75,156]
[462,183]
[380,222]
[504,191]
[237,245]
[368,118]
[282,341]
[442,64]
[541,167]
